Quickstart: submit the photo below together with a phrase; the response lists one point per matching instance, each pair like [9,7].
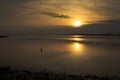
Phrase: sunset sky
[28,15]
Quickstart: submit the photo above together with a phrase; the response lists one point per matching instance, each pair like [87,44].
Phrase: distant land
[3,36]
[105,27]
[94,34]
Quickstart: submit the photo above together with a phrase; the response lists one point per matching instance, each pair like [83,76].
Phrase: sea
[62,53]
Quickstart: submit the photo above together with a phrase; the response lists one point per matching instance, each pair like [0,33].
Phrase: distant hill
[111,27]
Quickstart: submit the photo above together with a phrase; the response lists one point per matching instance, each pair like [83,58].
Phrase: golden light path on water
[76,38]
[77,48]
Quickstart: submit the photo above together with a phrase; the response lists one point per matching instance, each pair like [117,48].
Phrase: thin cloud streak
[55,15]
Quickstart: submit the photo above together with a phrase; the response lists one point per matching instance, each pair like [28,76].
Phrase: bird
[41,50]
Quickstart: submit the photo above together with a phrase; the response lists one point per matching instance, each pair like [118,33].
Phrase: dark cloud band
[55,15]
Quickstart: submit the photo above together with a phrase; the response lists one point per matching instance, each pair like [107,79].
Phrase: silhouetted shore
[7,73]
[3,36]
[93,34]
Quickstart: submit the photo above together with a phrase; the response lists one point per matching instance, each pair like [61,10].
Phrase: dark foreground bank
[6,73]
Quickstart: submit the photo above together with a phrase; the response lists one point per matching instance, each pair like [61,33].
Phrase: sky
[52,16]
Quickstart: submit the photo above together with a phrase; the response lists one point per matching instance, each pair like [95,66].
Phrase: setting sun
[77,23]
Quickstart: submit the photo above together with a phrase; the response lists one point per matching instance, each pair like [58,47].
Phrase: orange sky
[57,12]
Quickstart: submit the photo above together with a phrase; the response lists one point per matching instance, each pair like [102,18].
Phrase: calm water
[62,53]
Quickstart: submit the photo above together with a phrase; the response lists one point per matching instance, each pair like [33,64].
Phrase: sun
[77,23]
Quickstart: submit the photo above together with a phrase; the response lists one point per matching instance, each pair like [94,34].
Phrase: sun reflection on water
[77,48]
[76,38]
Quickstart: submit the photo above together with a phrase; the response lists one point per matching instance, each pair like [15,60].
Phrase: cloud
[55,15]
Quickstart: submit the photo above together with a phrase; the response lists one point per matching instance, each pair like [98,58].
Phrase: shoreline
[7,73]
